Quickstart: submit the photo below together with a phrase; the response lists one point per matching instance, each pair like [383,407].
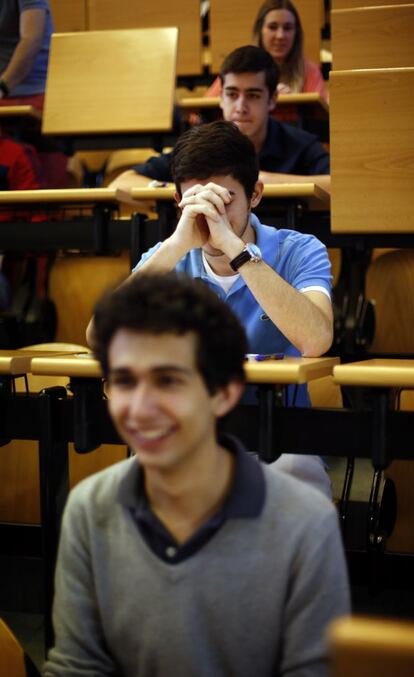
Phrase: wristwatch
[251,252]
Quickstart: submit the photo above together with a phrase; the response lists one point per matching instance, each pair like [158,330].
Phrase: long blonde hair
[292,70]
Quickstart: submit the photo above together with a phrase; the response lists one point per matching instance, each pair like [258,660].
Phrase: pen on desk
[260,357]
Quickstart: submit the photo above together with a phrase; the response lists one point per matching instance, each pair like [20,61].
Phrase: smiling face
[278,33]
[159,401]
[246,101]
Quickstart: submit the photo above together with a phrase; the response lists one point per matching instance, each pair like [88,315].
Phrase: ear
[177,197]
[227,397]
[272,102]
[257,194]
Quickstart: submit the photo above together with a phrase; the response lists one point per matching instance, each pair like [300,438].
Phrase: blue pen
[260,357]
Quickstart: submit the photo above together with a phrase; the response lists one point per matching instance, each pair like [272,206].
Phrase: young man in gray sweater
[190,558]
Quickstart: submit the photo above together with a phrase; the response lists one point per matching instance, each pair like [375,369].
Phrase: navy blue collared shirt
[286,150]
[244,501]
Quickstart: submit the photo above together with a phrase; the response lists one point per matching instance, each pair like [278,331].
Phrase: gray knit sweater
[254,601]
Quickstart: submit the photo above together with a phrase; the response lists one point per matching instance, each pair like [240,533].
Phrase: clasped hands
[204,219]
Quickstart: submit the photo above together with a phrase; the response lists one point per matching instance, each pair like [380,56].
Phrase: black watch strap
[241,258]
[4,88]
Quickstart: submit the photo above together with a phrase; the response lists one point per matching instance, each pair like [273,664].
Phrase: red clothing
[313,82]
[19,169]
[35,100]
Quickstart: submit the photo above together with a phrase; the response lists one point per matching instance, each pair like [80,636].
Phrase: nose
[241,103]
[142,403]
[280,32]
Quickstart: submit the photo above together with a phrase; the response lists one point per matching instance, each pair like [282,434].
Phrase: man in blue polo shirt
[276,281]
[249,78]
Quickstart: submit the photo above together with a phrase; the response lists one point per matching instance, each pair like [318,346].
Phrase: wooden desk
[312,102]
[60,196]
[376,373]
[108,82]
[14,362]
[287,371]
[29,113]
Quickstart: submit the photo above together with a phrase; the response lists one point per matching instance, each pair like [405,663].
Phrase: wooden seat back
[371,647]
[185,14]
[365,37]
[372,146]
[231,26]
[390,284]
[68,15]
[109,82]
[11,653]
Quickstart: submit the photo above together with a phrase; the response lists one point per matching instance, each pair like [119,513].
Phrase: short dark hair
[250,59]
[216,149]
[155,303]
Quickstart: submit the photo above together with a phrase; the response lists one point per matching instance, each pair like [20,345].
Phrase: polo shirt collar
[247,494]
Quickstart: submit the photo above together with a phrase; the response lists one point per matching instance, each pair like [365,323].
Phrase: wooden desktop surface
[310,100]
[288,370]
[61,196]
[23,111]
[376,373]
[73,196]
[280,190]
[108,82]
[19,361]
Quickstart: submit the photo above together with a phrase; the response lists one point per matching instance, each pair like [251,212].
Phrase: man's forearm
[307,326]
[32,26]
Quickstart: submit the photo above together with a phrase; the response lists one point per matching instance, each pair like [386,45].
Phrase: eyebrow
[230,88]
[155,370]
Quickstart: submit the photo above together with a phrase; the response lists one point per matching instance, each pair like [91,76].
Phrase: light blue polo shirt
[301,260]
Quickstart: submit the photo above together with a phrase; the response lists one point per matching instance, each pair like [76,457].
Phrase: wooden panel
[185,14]
[68,15]
[373,37]
[349,4]
[231,27]
[11,653]
[364,647]
[19,462]
[372,150]
[109,81]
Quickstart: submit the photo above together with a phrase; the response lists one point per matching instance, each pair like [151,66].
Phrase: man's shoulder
[294,135]
[102,488]
[157,167]
[296,499]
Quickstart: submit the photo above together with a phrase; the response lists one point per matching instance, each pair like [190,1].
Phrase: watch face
[254,251]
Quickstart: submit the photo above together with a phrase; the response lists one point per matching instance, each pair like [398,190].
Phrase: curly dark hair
[216,149]
[155,303]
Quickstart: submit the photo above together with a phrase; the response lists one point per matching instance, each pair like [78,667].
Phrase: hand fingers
[205,208]
[207,196]
[210,187]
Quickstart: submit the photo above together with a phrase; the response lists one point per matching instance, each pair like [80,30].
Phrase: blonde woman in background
[278,29]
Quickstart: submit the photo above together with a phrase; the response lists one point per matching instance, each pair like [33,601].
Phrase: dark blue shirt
[244,501]
[286,150]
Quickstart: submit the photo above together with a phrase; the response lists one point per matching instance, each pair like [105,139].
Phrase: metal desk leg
[54,486]
[269,396]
